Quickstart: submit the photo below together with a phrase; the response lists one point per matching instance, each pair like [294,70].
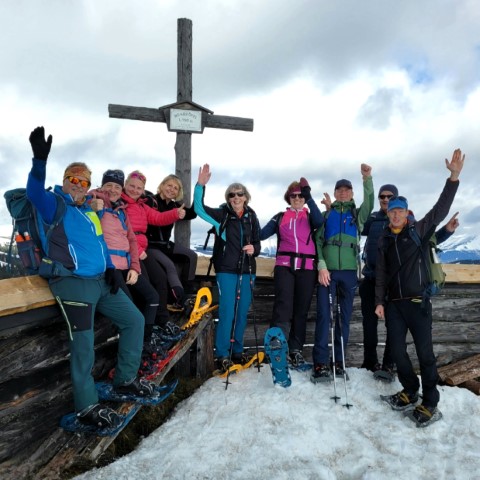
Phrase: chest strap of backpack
[293,256]
[338,243]
[120,253]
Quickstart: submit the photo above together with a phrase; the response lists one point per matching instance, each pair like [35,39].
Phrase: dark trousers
[366,291]
[346,283]
[158,278]
[293,296]
[408,315]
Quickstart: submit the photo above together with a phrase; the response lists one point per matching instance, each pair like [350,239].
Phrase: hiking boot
[296,359]
[384,373]
[224,363]
[424,415]
[402,400]
[321,373]
[99,416]
[339,371]
[138,387]
[371,367]
[241,358]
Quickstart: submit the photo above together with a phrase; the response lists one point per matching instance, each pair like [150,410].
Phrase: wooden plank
[460,273]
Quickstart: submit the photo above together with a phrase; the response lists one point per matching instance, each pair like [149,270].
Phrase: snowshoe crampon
[276,350]
[237,367]
[423,416]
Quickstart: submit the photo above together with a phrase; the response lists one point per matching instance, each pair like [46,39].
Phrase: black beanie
[388,188]
[114,176]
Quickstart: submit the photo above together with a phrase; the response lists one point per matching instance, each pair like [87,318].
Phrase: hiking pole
[237,301]
[332,332]
[339,321]
[253,311]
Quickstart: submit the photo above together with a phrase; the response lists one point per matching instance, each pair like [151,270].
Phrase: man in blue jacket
[82,280]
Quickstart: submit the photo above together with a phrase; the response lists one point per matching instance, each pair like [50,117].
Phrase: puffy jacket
[77,243]
[401,272]
[141,215]
[232,234]
[118,233]
[337,239]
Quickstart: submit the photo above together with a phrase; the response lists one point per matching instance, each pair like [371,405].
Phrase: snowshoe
[340,372]
[73,422]
[298,362]
[384,373]
[424,416]
[276,350]
[138,394]
[401,400]
[321,374]
[237,367]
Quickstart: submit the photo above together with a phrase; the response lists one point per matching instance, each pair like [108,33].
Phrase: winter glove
[111,279]
[40,147]
[305,189]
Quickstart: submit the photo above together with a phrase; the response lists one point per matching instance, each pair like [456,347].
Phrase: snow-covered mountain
[461,248]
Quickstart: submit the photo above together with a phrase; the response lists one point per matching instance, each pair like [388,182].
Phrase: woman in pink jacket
[140,216]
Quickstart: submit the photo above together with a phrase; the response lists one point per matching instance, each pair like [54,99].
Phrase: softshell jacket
[141,215]
[232,234]
[159,237]
[373,229]
[294,229]
[337,239]
[77,243]
[118,233]
[401,272]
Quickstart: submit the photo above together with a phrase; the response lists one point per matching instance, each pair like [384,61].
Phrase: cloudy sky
[329,84]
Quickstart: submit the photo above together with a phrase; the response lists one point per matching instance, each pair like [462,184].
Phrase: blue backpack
[31,234]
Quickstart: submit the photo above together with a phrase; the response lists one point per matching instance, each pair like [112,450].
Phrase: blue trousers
[346,282]
[235,293]
[79,299]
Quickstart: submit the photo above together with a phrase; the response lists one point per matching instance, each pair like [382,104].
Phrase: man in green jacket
[337,249]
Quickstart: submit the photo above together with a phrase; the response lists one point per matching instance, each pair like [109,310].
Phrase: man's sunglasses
[383,197]
[296,195]
[77,181]
[238,194]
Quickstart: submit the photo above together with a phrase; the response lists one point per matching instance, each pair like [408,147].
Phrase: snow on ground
[255,430]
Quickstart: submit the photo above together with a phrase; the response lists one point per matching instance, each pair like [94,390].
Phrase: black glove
[112,280]
[305,189]
[40,147]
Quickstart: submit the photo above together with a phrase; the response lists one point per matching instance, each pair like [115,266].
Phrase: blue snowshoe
[276,349]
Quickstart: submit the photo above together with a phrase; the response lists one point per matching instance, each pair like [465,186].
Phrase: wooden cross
[201,118]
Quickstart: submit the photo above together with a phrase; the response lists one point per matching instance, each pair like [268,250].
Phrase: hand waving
[40,146]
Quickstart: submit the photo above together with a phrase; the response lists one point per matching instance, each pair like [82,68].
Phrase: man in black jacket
[401,282]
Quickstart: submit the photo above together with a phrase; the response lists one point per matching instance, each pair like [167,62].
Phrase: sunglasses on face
[234,194]
[296,195]
[383,197]
[77,181]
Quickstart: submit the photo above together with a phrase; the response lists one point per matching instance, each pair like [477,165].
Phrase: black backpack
[30,233]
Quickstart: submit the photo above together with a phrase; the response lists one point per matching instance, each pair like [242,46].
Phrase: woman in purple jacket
[295,272]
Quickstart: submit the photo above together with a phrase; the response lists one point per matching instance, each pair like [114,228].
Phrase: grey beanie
[388,188]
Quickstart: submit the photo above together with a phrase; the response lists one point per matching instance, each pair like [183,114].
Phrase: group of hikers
[112,253]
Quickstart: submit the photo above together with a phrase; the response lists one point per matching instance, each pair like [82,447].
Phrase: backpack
[436,275]
[30,233]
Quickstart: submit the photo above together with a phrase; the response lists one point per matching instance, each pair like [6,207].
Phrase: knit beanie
[388,188]
[113,176]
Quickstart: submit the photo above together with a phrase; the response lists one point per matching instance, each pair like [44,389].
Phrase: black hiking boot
[384,373]
[423,415]
[401,400]
[241,358]
[371,367]
[224,363]
[321,373]
[140,387]
[296,359]
[99,416]
[339,371]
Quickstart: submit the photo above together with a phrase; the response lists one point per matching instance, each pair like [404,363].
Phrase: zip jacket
[77,243]
[337,240]
[401,272]
[232,234]
[141,215]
